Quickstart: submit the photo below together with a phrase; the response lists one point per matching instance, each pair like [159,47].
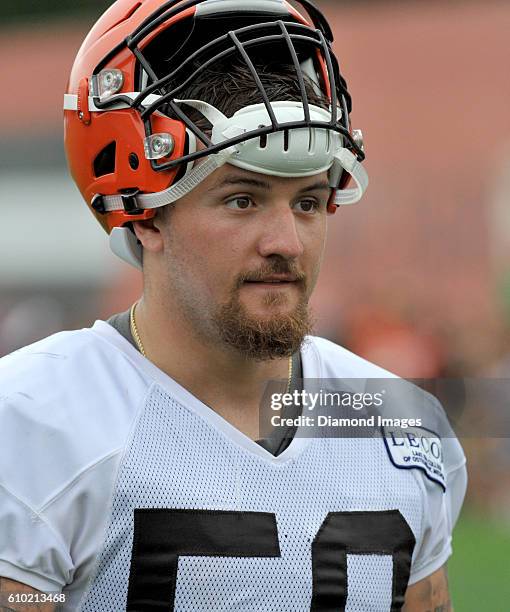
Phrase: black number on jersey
[162,535]
[358,533]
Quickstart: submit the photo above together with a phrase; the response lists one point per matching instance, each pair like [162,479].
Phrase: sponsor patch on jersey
[416,448]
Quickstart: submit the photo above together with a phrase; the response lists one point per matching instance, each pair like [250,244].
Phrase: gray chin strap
[297,152]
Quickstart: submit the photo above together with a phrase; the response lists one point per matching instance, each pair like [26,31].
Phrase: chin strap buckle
[129,202]
[98,204]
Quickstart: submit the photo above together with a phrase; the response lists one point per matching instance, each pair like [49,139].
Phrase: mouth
[274,279]
[271,283]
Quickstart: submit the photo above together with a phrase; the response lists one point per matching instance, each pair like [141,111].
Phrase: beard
[265,337]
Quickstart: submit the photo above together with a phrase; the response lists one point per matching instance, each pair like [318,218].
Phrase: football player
[211,139]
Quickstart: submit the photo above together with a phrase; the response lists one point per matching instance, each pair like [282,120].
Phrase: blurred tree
[12,10]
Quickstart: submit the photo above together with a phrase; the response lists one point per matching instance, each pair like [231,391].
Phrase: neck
[222,378]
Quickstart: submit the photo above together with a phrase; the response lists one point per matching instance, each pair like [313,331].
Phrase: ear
[149,235]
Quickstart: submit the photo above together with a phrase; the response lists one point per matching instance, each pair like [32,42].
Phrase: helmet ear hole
[104,163]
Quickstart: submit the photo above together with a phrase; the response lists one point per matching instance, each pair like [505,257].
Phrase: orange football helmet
[130,142]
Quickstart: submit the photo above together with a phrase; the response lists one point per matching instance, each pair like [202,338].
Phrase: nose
[280,235]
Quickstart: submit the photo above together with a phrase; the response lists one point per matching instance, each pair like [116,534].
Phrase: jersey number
[162,535]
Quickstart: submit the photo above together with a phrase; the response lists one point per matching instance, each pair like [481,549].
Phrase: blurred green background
[415,277]
[479,569]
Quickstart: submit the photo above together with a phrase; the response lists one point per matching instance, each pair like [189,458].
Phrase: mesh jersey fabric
[176,460]
[96,430]
[280,437]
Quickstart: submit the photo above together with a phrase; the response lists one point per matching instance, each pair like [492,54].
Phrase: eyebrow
[240,180]
[253,182]
[319,185]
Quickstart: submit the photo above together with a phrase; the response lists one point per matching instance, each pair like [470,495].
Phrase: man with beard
[211,142]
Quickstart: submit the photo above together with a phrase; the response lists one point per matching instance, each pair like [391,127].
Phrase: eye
[239,203]
[307,206]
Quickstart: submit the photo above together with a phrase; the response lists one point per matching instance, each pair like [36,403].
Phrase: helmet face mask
[134,108]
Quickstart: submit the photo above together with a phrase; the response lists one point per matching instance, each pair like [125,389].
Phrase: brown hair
[231,86]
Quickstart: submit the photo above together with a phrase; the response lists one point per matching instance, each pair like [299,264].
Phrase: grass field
[479,569]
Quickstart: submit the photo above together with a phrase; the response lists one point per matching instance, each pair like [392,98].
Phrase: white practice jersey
[122,490]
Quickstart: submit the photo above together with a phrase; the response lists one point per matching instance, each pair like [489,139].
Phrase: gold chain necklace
[134,329]
[139,343]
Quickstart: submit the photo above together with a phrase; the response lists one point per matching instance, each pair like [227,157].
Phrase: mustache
[274,266]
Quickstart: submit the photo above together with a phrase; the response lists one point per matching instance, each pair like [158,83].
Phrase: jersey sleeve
[63,430]
[30,551]
[441,511]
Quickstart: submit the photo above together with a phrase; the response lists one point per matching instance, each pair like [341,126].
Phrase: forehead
[232,176]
